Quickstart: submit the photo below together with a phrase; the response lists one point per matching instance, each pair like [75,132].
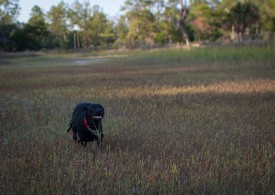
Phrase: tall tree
[200,20]
[181,12]
[169,28]
[206,19]
[184,11]
[100,28]
[58,23]
[37,29]
[80,15]
[268,15]
[121,31]
[9,10]
[140,21]
[241,17]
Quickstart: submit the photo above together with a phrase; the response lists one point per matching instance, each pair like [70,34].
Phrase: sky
[110,7]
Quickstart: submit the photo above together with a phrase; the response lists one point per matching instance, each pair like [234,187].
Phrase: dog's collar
[94,132]
[86,123]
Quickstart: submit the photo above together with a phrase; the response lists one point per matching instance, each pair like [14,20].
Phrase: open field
[199,121]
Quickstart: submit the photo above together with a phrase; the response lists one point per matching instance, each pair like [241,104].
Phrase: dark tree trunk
[184,10]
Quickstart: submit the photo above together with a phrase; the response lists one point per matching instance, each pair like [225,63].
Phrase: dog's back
[78,110]
[81,107]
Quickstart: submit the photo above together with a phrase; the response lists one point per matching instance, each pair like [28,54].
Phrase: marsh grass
[198,122]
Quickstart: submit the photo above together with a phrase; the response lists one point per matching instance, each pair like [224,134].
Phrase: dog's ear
[100,106]
[102,109]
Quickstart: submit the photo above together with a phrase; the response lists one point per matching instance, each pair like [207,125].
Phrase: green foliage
[242,16]
[34,35]
[101,29]
[140,27]
[80,16]
[58,24]
[121,30]
[94,28]
[9,10]
[143,23]
[268,15]
[201,17]
[6,34]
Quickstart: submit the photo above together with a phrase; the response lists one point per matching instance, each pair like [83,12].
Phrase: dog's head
[96,112]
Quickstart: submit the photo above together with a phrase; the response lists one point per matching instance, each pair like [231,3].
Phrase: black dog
[86,123]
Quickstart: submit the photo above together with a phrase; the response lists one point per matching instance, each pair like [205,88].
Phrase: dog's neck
[89,122]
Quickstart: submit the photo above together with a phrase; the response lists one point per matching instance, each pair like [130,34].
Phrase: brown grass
[177,122]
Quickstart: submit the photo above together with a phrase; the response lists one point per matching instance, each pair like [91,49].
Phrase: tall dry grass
[198,122]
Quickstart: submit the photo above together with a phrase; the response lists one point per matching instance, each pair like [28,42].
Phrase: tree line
[142,23]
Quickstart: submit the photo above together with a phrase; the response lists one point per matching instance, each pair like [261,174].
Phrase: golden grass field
[198,121]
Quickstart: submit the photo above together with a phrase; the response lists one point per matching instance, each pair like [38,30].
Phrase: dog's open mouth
[97,117]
